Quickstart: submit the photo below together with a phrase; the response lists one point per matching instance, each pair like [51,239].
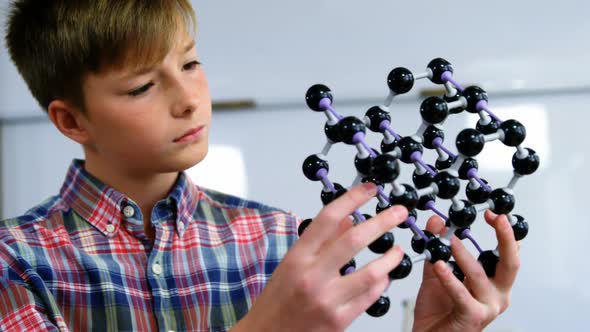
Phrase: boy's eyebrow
[189,46]
[139,72]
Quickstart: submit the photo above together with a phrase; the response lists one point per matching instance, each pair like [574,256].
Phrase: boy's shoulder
[228,201]
[38,228]
[39,214]
[235,207]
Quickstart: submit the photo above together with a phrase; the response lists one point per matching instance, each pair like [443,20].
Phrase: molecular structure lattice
[429,182]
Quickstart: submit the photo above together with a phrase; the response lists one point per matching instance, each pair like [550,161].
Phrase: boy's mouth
[190,135]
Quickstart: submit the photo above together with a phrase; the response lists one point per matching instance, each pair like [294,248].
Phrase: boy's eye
[191,65]
[140,90]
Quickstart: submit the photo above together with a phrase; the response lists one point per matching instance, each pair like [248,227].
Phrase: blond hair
[55,43]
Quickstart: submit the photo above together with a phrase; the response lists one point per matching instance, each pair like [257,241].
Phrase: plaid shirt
[81,260]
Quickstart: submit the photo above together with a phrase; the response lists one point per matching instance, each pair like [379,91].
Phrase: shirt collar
[102,206]
[185,196]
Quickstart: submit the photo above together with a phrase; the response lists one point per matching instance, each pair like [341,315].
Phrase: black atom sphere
[315,94]
[527,165]
[380,307]
[470,142]
[400,80]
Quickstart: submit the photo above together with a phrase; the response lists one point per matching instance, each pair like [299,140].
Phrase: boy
[130,243]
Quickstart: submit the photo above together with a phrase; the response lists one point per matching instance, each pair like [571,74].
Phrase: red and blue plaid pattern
[81,260]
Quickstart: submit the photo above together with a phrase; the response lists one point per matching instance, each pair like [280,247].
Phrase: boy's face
[152,122]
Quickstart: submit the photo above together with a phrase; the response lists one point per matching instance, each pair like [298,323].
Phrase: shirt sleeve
[20,309]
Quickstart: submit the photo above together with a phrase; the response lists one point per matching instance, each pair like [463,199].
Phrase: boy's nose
[186,98]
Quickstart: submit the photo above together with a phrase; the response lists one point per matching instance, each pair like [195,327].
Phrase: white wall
[273,51]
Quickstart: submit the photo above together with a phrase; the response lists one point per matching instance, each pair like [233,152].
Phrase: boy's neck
[144,189]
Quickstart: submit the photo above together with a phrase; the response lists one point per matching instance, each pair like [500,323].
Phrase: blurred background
[261,56]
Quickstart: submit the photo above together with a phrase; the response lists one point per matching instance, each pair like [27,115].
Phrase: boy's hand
[446,304]
[306,292]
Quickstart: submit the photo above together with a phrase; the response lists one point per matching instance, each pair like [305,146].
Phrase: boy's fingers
[359,305]
[340,250]
[435,225]
[326,223]
[362,280]
[509,262]
[345,224]
[475,276]
[456,290]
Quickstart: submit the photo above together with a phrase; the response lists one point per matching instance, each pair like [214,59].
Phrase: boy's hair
[55,43]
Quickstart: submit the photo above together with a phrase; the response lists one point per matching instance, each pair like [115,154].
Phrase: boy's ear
[70,121]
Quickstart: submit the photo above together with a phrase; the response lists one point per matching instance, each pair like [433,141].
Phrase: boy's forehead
[132,65]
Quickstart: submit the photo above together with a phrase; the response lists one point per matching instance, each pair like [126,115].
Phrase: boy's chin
[183,162]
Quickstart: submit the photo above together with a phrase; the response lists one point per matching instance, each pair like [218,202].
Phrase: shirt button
[110,228]
[181,226]
[157,268]
[128,211]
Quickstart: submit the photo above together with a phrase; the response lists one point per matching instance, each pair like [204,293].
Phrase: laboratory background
[261,56]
